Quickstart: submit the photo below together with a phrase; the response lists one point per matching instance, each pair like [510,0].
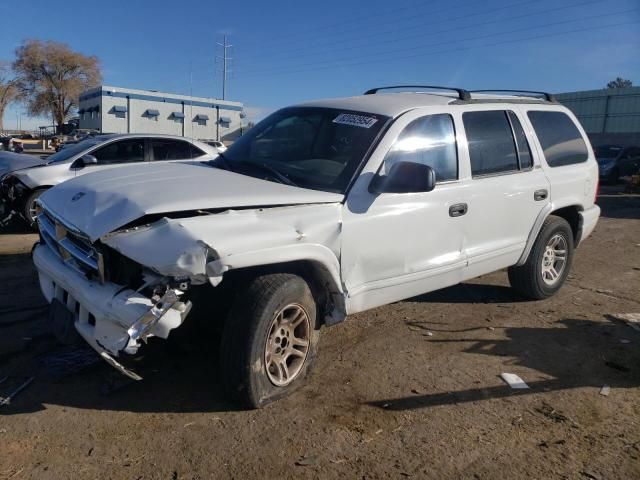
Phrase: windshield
[73,149]
[310,147]
[607,151]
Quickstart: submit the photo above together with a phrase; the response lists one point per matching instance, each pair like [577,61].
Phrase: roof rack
[547,96]
[462,94]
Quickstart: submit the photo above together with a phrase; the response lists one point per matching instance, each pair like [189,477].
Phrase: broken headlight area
[166,300]
[116,319]
[12,193]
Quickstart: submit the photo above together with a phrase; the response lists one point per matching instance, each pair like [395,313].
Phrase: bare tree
[50,76]
[8,90]
[620,82]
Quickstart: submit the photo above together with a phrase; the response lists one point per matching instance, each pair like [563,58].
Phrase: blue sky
[289,51]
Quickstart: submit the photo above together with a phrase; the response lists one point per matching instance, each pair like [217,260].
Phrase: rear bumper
[111,319]
[589,219]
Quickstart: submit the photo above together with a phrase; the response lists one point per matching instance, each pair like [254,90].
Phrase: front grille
[75,250]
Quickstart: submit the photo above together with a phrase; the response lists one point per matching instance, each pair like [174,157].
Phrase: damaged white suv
[322,210]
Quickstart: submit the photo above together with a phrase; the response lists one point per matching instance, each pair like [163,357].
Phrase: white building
[124,110]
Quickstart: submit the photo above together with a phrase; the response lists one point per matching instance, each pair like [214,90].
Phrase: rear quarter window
[559,137]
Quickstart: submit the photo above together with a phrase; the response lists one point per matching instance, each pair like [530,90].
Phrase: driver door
[396,246]
[113,154]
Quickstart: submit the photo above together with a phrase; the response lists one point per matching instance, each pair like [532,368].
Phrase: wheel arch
[571,213]
[316,264]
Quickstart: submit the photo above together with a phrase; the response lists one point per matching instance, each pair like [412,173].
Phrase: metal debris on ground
[6,400]
[551,413]
[514,381]
[605,390]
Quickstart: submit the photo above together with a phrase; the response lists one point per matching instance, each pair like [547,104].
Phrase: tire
[29,205]
[534,279]
[251,366]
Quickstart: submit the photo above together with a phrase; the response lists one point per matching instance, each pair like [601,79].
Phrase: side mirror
[84,161]
[405,177]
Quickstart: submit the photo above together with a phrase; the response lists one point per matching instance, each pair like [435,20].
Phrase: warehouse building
[609,116]
[124,110]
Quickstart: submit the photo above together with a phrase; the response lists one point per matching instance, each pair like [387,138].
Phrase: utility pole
[225,64]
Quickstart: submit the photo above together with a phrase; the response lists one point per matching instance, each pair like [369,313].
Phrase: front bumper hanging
[111,319]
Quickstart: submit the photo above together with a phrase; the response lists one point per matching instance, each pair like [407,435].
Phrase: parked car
[616,161]
[20,189]
[321,210]
[218,145]
[77,135]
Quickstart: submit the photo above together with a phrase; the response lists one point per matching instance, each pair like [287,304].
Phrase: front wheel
[270,339]
[549,261]
[29,208]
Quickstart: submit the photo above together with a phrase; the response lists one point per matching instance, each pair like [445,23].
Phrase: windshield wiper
[266,168]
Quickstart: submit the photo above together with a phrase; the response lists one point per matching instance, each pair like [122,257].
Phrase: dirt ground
[407,390]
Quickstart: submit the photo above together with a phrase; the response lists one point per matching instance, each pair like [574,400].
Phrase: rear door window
[559,137]
[123,151]
[163,149]
[492,147]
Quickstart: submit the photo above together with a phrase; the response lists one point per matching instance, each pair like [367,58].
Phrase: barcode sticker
[355,120]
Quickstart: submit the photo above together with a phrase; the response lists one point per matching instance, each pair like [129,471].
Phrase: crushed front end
[114,303]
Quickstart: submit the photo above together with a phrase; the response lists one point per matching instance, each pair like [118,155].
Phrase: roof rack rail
[462,93]
[547,96]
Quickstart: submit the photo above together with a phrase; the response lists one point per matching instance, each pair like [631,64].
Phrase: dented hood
[101,202]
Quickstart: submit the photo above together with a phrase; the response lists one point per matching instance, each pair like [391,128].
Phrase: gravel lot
[407,390]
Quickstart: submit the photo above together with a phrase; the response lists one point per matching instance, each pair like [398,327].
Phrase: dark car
[616,161]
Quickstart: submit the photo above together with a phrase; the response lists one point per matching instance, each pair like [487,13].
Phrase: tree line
[48,78]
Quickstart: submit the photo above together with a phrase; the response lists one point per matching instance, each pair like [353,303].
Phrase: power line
[378,55]
[415,16]
[350,21]
[457,49]
[431,33]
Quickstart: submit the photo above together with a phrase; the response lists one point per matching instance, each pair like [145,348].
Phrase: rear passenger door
[508,189]
[163,149]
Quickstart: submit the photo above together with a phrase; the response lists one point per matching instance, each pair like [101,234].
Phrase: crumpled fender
[204,247]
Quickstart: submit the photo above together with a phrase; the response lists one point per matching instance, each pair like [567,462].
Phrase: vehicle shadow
[176,378]
[15,227]
[471,293]
[574,353]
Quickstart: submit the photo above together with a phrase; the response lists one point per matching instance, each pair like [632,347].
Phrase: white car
[217,144]
[321,210]
[19,189]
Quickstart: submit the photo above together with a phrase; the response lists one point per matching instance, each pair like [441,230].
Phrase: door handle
[539,195]
[457,210]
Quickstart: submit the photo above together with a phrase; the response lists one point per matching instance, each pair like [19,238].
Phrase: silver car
[20,187]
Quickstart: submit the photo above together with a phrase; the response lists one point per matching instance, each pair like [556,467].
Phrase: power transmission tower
[225,64]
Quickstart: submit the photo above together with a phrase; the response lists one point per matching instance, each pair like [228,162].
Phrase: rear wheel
[549,262]
[270,339]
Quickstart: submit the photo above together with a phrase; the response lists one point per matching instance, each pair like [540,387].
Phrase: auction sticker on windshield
[355,120]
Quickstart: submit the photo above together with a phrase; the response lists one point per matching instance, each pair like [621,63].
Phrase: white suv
[321,210]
